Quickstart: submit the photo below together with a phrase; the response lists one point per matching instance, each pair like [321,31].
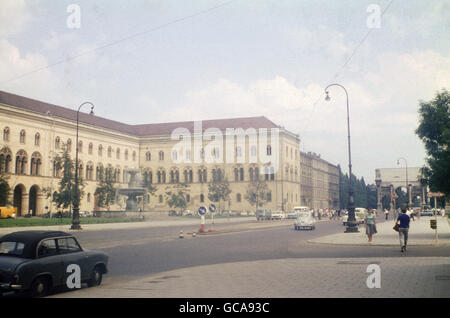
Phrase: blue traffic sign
[202,210]
[212,208]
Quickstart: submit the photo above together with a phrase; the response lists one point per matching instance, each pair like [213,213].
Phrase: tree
[106,191]
[434,131]
[257,193]
[65,196]
[5,189]
[176,198]
[219,189]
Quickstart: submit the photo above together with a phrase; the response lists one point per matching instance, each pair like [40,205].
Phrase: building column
[379,205]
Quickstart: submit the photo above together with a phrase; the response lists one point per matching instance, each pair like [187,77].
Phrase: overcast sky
[172,60]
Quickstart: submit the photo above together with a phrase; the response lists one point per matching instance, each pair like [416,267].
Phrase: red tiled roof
[136,130]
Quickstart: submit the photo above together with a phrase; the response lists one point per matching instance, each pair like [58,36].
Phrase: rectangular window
[47,248]
[68,245]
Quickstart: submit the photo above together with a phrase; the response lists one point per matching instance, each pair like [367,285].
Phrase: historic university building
[243,149]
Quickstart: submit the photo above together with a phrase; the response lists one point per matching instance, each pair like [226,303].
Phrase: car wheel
[96,277]
[40,287]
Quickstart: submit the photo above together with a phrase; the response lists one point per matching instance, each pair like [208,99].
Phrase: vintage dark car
[35,262]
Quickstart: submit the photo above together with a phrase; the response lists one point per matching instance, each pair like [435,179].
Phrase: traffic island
[420,234]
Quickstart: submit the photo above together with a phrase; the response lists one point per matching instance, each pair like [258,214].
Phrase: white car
[278,215]
[358,217]
[292,215]
[304,221]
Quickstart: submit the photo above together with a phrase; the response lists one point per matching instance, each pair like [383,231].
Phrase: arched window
[188,156]
[118,153]
[148,156]
[250,174]
[241,176]
[174,155]
[69,145]
[5,159]
[202,198]
[6,134]
[91,147]
[269,150]
[37,139]
[238,197]
[22,136]
[21,161]
[35,164]
[236,174]
[80,146]
[100,150]
[161,156]
[57,143]
[126,154]
[109,152]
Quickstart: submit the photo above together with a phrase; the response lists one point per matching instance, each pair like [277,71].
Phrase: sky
[171,60]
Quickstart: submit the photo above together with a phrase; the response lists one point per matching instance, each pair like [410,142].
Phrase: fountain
[135,189]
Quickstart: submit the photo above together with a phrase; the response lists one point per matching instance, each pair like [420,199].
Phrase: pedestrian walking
[403,221]
[370,224]
[386,213]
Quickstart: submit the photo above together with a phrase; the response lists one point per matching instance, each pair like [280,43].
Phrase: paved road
[139,252]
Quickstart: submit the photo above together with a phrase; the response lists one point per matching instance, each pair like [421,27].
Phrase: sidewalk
[420,233]
[421,277]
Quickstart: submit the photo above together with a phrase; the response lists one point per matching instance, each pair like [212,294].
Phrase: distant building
[319,182]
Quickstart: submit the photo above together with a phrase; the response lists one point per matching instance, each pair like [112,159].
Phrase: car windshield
[304,215]
[12,248]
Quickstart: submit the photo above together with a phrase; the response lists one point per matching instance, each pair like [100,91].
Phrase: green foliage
[151,189]
[219,189]
[257,193]
[65,196]
[176,198]
[364,195]
[5,189]
[434,131]
[105,191]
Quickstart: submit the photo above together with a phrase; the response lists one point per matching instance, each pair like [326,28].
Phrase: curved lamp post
[352,226]
[407,185]
[76,201]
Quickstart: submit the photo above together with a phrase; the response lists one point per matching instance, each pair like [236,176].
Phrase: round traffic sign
[212,208]
[202,210]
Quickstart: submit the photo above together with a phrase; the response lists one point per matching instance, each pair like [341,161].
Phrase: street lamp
[76,201]
[352,226]
[407,186]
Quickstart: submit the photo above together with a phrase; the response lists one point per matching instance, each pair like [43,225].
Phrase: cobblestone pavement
[427,277]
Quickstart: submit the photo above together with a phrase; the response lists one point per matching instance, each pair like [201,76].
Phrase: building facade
[34,132]
[319,182]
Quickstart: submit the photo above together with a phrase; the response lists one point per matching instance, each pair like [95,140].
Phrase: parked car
[359,216]
[292,215]
[188,212]
[278,215]
[263,214]
[8,212]
[304,221]
[426,213]
[37,261]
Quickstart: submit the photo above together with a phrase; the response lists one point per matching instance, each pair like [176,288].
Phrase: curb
[378,244]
